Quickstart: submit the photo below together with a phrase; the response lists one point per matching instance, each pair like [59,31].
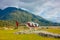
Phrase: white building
[32,25]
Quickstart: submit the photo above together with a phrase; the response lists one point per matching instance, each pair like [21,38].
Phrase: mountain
[0,12]
[12,14]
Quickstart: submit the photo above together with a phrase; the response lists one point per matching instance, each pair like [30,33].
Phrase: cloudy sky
[48,9]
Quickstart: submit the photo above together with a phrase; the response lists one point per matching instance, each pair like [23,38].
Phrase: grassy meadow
[9,35]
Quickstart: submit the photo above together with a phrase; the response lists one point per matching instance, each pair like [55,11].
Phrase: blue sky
[48,9]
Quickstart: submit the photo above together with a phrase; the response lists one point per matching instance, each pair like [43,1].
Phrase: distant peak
[10,8]
[0,9]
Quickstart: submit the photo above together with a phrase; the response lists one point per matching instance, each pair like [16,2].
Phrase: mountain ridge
[23,16]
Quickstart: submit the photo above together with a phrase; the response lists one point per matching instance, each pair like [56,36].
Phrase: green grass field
[9,35]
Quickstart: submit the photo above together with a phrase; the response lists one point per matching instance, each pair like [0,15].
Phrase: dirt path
[41,33]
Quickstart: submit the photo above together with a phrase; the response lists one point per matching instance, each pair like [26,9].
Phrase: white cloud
[49,10]
[8,3]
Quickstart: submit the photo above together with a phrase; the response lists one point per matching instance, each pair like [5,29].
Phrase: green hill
[11,15]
